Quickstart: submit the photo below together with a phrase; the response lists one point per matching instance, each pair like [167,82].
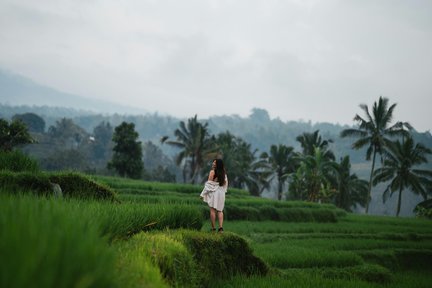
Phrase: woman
[214,193]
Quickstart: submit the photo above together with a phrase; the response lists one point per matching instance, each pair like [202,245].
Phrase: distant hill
[19,90]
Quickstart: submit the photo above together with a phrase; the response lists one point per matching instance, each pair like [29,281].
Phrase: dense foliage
[127,157]
[13,134]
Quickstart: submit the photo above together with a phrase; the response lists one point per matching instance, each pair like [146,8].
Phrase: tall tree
[400,168]
[197,147]
[281,161]
[375,132]
[315,175]
[127,157]
[67,135]
[310,141]
[351,189]
[102,141]
[13,134]
[244,170]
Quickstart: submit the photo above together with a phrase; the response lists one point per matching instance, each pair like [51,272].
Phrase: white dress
[214,195]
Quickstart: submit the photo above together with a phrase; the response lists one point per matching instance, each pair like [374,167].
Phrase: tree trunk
[192,172]
[399,201]
[370,182]
[184,173]
[280,186]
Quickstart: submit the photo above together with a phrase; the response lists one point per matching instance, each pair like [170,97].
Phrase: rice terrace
[215,144]
[117,232]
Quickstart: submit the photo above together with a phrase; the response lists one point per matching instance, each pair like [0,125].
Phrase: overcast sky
[298,59]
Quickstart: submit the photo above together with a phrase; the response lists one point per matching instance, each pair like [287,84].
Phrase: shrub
[79,186]
[26,182]
[422,212]
[73,185]
[16,161]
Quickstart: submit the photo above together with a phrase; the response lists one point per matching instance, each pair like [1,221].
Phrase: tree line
[312,173]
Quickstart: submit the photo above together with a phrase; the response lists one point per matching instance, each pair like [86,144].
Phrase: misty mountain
[19,90]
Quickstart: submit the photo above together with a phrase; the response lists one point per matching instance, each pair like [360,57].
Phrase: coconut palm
[375,132]
[244,170]
[282,163]
[316,172]
[259,177]
[400,168]
[197,147]
[351,189]
[309,141]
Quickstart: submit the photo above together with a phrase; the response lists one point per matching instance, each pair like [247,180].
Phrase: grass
[357,251]
[42,245]
[136,243]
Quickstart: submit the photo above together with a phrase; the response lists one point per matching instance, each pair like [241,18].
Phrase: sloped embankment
[193,259]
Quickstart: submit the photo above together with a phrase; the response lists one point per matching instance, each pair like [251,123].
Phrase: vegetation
[351,189]
[16,161]
[34,122]
[375,132]
[310,173]
[165,243]
[127,158]
[310,141]
[400,167]
[281,161]
[196,145]
[245,171]
[42,245]
[13,134]
[60,184]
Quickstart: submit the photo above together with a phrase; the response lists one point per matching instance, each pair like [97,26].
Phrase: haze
[299,60]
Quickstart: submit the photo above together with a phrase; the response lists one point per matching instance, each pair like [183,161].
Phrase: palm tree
[281,161]
[351,189]
[240,162]
[309,141]
[399,168]
[258,177]
[317,173]
[375,132]
[197,147]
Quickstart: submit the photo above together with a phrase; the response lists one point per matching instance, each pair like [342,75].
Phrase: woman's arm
[211,175]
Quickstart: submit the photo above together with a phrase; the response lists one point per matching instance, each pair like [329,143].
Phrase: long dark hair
[219,172]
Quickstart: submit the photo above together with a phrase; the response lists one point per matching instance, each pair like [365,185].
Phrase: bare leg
[220,218]
[213,217]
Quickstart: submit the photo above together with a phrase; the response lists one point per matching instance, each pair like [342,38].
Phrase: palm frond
[386,194]
[382,175]
[362,142]
[353,133]
[422,172]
